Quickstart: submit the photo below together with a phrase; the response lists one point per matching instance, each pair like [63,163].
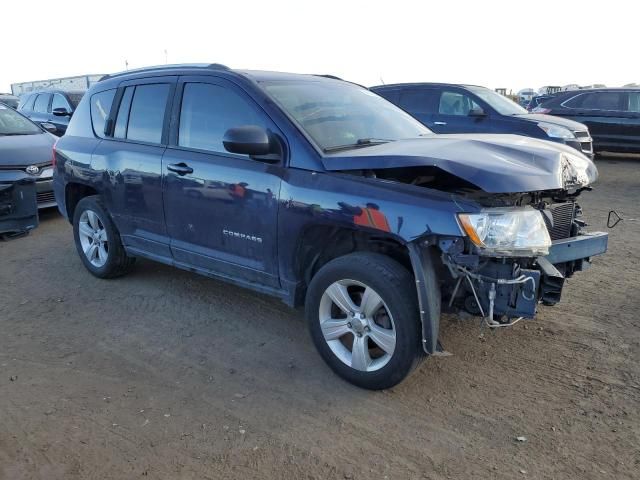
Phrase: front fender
[429,297]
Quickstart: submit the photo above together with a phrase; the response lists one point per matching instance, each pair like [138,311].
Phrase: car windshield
[499,103]
[339,115]
[12,123]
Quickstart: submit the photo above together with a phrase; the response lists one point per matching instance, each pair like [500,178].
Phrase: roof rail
[213,66]
[327,76]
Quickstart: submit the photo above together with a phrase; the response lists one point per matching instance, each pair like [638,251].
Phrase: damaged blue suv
[322,193]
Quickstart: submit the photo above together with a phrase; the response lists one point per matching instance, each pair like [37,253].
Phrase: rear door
[421,103]
[221,208]
[130,162]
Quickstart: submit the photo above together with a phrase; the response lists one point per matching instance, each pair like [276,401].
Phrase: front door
[452,114]
[221,209]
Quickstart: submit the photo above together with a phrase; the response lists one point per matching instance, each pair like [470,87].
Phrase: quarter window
[208,111]
[146,117]
[100,108]
[42,103]
[454,103]
[28,102]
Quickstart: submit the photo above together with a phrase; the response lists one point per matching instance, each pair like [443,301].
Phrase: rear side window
[417,101]
[146,117]
[208,111]
[42,103]
[100,108]
[597,101]
[454,103]
[123,113]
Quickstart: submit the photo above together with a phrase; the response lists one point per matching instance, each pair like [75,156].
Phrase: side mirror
[251,140]
[477,112]
[49,127]
[61,112]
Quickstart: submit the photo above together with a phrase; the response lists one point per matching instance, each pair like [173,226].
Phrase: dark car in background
[451,108]
[537,100]
[54,107]
[25,171]
[322,193]
[612,115]
[9,100]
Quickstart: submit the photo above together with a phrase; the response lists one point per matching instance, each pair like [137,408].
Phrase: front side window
[454,103]
[146,117]
[42,103]
[633,104]
[339,114]
[208,111]
[500,103]
[100,108]
[12,123]
[59,102]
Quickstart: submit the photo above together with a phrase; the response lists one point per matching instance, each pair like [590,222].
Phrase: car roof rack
[212,66]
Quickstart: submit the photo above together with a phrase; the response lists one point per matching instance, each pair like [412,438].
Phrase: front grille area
[586,146]
[562,215]
[45,197]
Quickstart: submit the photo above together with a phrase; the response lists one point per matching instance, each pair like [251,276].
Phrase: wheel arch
[73,193]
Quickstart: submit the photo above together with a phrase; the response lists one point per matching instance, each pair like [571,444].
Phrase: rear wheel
[98,241]
[363,318]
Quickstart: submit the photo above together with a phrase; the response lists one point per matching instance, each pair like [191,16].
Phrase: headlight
[507,232]
[556,131]
[575,171]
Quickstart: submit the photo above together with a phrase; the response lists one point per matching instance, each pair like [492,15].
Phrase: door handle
[180,168]
[439,123]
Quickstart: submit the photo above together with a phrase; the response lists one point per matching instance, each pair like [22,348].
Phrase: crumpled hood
[494,163]
[22,150]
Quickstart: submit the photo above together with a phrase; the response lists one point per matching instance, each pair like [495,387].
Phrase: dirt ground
[165,374]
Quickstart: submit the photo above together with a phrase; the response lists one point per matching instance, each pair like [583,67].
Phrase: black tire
[396,286]
[118,262]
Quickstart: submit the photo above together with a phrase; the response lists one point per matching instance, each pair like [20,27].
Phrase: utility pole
[166,56]
[126,64]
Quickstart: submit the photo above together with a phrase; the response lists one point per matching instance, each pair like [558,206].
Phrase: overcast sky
[493,43]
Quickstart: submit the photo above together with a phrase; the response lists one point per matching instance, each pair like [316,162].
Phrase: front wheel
[98,241]
[363,318]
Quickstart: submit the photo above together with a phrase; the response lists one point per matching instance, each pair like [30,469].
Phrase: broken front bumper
[18,207]
[493,288]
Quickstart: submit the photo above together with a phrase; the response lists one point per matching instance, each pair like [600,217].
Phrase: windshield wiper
[15,134]
[361,142]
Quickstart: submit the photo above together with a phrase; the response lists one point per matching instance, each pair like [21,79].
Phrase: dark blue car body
[425,101]
[268,225]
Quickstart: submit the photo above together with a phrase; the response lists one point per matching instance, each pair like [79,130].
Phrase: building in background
[80,82]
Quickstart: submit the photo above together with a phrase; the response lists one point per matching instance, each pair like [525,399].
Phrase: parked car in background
[25,171]
[612,115]
[322,193]
[449,108]
[9,100]
[54,107]
[537,100]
